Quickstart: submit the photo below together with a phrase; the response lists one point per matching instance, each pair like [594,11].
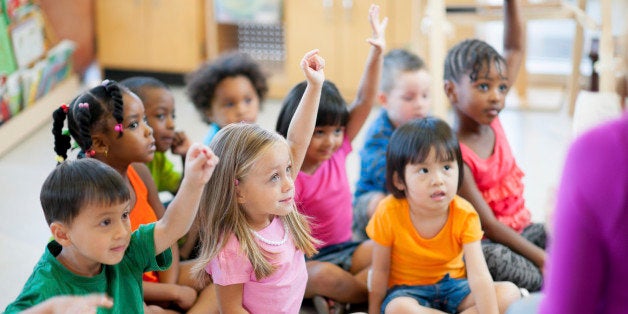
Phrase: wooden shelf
[29,120]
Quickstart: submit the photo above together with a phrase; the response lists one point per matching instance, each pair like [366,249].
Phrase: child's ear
[60,233]
[239,196]
[382,98]
[99,143]
[397,182]
[450,91]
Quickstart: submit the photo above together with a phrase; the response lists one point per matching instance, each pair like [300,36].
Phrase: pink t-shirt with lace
[499,180]
[282,291]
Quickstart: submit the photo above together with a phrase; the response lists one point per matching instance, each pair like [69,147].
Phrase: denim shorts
[339,254]
[445,295]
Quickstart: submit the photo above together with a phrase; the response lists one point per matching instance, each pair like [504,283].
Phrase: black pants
[506,265]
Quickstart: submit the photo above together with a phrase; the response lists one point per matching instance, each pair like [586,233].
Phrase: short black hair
[201,84]
[138,84]
[470,57]
[73,184]
[332,109]
[411,144]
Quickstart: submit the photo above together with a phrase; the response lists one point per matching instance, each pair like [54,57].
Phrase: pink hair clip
[91,153]
[83,105]
[65,108]
[119,128]
[236,182]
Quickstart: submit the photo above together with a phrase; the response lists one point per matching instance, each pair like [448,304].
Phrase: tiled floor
[539,140]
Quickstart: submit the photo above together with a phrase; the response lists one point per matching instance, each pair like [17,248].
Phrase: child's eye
[248,100]
[105,222]
[447,167]
[133,125]
[174,116]
[289,169]
[274,178]
[503,88]
[160,116]
[423,170]
[483,87]
[125,215]
[319,132]
[229,105]
[338,131]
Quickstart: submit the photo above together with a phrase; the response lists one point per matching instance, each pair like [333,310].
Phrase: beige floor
[539,140]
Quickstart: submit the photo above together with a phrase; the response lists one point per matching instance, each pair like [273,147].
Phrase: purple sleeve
[591,199]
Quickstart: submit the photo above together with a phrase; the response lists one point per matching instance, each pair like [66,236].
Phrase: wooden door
[120,29]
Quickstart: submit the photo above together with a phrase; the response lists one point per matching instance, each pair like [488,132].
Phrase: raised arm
[495,230]
[514,41]
[199,166]
[302,125]
[369,83]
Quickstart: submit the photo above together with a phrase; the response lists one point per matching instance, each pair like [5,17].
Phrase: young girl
[477,80]
[86,204]
[423,229]
[323,193]
[108,123]
[253,240]
[228,90]
[160,114]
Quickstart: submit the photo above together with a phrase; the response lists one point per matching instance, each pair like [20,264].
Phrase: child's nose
[170,123]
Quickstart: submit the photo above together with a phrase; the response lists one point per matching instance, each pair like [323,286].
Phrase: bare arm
[380,270]
[494,229]
[199,166]
[71,304]
[230,298]
[479,278]
[302,125]
[369,83]
[514,42]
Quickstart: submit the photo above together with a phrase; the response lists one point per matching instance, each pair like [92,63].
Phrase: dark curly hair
[201,84]
[470,57]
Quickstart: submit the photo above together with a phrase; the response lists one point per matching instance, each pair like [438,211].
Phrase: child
[160,114]
[107,123]
[423,229]
[323,193]
[253,240]
[86,204]
[477,80]
[404,93]
[228,90]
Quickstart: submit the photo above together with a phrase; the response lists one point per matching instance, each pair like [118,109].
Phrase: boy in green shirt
[86,204]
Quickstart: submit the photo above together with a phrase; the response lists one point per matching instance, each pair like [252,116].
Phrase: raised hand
[378,39]
[199,164]
[312,65]
[180,144]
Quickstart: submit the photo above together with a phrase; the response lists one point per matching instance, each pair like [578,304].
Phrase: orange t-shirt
[142,213]
[414,259]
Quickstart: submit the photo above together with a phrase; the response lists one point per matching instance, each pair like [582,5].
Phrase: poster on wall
[27,38]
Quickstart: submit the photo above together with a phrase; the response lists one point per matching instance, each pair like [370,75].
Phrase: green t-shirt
[122,282]
[164,175]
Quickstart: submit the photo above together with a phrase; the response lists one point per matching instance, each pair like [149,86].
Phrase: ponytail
[62,141]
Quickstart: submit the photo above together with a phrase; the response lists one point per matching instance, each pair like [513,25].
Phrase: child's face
[325,141]
[430,185]
[267,189]
[410,97]
[235,100]
[483,99]
[159,106]
[98,235]
[137,143]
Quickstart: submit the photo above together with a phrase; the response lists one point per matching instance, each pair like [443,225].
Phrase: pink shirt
[499,180]
[325,197]
[282,291]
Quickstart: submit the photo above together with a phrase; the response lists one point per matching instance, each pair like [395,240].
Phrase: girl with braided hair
[477,79]
[108,123]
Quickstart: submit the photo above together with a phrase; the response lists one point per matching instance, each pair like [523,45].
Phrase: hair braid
[62,141]
[471,56]
[113,90]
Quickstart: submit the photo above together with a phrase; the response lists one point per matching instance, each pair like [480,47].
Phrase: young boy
[160,113]
[86,204]
[405,95]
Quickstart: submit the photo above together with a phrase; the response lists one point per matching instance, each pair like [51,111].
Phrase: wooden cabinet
[340,29]
[150,35]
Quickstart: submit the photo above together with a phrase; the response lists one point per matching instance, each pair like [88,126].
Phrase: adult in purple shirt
[588,265]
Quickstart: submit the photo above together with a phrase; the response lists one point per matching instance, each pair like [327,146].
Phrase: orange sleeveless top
[142,213]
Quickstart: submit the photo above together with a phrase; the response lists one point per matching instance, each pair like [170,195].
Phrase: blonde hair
[239,146]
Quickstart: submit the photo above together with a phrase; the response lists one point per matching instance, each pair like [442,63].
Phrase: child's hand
[312,65]
[379,28]
[180,143]
[199,164]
